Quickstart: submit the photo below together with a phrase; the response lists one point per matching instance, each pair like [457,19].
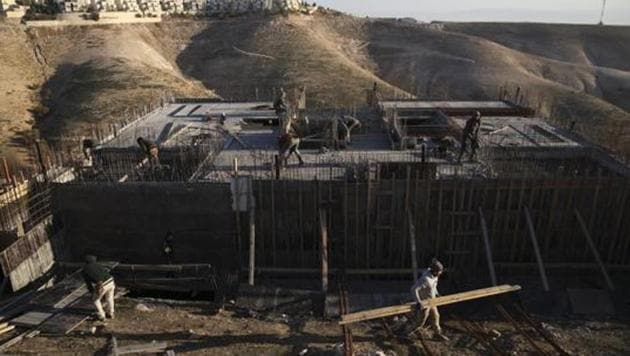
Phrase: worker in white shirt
[426,288]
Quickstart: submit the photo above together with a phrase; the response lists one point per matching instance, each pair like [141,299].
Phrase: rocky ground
[201,330]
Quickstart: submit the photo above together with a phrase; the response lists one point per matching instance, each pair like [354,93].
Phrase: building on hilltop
[189,7]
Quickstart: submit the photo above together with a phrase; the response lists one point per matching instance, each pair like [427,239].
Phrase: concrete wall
[128,222]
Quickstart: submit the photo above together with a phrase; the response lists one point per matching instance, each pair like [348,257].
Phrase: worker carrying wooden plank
[101,284]
[426,288]
[431,302]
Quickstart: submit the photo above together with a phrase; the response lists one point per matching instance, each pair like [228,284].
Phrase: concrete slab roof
[521,132]
[183,121]
[445,104]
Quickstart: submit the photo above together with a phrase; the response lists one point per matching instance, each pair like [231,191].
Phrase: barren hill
[63,80]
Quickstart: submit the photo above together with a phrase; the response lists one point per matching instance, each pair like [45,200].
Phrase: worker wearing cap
[471,135]
[101,284]
[426,288]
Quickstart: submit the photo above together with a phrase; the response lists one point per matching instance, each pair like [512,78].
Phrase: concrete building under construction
[376,203]
[381,191]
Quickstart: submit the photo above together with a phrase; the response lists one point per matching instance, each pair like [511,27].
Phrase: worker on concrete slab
[471,135]
[426,288]
[288,144]
[345,126]
[279,104]
[91,153]
[150,150]
[101,284]
[167,247]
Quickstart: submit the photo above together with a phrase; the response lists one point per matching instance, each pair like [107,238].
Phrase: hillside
[64,80]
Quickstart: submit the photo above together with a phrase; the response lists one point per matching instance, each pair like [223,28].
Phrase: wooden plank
[593,248]
[412,244]
[252,245]
[532,235]
[273,222]
[445,300]
[31,319]
[63,323]
[153,347]
[323,250]
[486,240]
[470,295]
[6,329]
[18,338]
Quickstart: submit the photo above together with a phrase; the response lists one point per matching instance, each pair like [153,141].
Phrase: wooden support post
[7,174]
[593,248]
[486,240]
[252,242]
[112,348]
[532,235]
[323,250]
[273,222]
[412,244]
[278,161]
[40,159]
[237,212]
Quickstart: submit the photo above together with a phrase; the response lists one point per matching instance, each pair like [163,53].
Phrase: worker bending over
[426,288]
[101,284]
[471,135]
[150,150]
[345,126]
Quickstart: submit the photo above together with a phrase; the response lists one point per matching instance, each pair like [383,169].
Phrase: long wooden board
[406,308]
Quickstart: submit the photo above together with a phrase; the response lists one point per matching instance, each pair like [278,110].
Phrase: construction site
[317,255]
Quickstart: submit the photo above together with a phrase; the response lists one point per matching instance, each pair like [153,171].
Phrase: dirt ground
[196,330]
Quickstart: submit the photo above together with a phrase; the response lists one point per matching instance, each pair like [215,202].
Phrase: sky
[557,11]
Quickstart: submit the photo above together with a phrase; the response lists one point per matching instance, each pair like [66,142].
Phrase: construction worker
[150,150]
[426,288]
[471,135]
[101,284]
[288,144]
[167,247]
[279,105]
[345,126]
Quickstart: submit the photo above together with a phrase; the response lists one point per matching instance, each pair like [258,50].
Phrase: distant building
[190,7]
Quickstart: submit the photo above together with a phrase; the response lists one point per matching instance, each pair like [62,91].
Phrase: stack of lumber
[406,308]
[5,328]
[60,309]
